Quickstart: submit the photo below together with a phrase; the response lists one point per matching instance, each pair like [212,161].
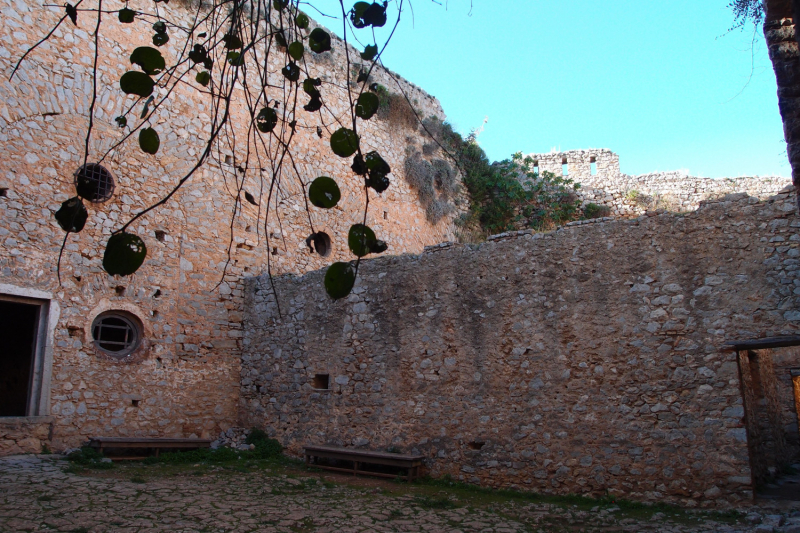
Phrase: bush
[596,211]
[88,457]
[266,447]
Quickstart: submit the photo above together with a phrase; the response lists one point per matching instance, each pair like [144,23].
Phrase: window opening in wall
[535,167]
[116,334]
[94,182]
[228,160]
[385,215]
[19,325]
[321,381]
[322,243]
[564,167]
[476,445]
[120,290]
[3,192]
[160,235]
[593,166]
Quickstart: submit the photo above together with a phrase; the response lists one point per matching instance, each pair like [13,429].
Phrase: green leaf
[125,253]
[359,167]
[149,59]
[121,121]
[310,86]
[360,239]
[198,54]
[339,280]
[137,83]
[357,14]
[72,215]
[280,38]
[149,141]
[291,71]
[160,27]
[160,39]
[315,104]
[235,59]
[369,53]
[296,50]
[364,14]
[324,192]
[319,41]
[203,78]
[367,105]
[126,16]
[280,5]
[232,42]
[250,198]
[378,170]
[72,13]
[266,120]
[302,21]
[344,142]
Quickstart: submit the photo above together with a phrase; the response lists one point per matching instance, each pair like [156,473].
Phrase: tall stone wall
[630,196]
[586,360]
[185,379]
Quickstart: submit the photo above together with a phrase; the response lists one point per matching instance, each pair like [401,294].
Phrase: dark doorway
[18,329]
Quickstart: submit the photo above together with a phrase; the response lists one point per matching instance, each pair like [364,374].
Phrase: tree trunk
[779,31]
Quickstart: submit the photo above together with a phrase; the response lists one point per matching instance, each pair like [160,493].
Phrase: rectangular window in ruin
[321,382]
[536,167]
[19,328]
[593,166]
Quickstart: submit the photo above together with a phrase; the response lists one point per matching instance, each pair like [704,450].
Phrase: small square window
[321,381]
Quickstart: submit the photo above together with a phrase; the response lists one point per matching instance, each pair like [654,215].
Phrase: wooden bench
[108,443]
[358,457]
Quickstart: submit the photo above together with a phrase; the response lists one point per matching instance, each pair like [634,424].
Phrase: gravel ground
[46,493]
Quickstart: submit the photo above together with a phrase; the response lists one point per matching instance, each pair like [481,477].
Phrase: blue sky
[657,82]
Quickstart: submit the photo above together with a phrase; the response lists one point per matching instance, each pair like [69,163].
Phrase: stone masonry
[590,359]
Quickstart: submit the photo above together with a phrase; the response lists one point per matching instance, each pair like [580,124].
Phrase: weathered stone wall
[185,381]
[631,196]
[588,359]
[25,435]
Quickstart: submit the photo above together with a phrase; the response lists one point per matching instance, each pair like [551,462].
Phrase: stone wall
[185,381]
[588,359]
[25,435]
[630,196]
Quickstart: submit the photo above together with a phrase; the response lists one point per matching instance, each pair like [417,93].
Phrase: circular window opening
[94,183]
[322,243]
[116,334]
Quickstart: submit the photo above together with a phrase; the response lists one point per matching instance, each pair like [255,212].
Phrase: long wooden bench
[156,444]
[360,457]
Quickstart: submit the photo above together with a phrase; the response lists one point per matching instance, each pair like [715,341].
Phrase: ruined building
[626,356]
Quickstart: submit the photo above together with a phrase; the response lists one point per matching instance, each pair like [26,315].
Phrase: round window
[94,182]
[116,333]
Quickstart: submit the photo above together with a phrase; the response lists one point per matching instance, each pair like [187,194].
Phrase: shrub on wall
[592,210]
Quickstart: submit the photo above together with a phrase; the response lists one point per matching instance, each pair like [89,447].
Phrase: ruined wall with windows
[185,303]
[590,359]
[603,184]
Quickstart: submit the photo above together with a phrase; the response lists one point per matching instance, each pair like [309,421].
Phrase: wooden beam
[762,344]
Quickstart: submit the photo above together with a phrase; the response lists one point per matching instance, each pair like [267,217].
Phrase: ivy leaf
[72,215]
[296,50]
[137,83]
[198,54]
[364,14]
[125,253]
[149,141]
[378,169]
[232,42]
[360,239]
[202,35]
[367,105]
[291,71]
[121,121]
[126,16]
[369,52]
[235,59]
[302,21]
[324,192]
[319,41]
[315,104]
[280,5]
[249,197]
[280,38]
[310,86]
[362,76]
[149,59]
[359,167]
[266,120]
[146,109]
[160,39]
[160,27]
[339,280]
[208,63]
[72,13]
[344,142]
[203,78]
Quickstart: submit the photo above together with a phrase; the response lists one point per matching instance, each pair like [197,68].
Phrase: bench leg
[157,452]
[355,468]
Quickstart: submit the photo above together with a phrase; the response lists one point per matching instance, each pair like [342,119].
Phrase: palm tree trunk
[779,31]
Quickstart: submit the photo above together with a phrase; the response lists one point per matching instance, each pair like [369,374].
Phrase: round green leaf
[160,27]
[126,16]
[148,140]
[319,41]
[344,142]
[369,53]
[364,14]
[280,5]
[367,105]
[296,50]
[137,83]
[235,59]
[232,42]
[149,59]
[160,39]
[378,169]
[357,14]
[361,239]
[266,120]
[302,21]
[72,215]
[339,280]
[125,253]
[203,78]
[291,71]
[324,192]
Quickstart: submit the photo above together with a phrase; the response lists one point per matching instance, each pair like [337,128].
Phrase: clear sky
[660,83]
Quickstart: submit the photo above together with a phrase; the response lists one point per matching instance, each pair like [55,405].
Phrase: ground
[48,493]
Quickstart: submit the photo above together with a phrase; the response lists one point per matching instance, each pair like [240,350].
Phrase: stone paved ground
[46,493]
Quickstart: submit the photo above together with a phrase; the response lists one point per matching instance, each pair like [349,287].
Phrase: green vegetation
[88,457]
[596,211]
[266,448]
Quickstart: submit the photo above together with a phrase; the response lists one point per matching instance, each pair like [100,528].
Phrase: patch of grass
[266,447]
[592,210]
[394,514]
[45,498]
[434,502]
[81,530]
[88,457]
[137,479]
